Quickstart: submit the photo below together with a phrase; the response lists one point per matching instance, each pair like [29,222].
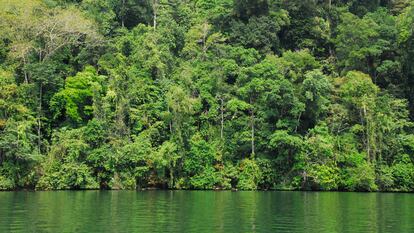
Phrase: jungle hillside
[207,94]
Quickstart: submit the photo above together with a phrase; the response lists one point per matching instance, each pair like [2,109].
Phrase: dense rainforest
[207,94]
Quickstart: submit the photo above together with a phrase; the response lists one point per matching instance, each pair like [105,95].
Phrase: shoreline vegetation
[205,95]
[149,189]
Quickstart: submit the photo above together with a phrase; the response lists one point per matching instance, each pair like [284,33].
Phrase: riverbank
[211,190]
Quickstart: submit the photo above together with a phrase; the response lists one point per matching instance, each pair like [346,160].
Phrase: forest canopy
[207,94]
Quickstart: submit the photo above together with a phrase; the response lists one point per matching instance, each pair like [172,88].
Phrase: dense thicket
[207,94]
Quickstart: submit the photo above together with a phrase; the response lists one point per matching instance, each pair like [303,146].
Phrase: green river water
[205,211]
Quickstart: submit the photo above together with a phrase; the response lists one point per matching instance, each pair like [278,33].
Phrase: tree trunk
[222,119]
[26,77]
[1,157]
[252,132]
[367,134]
[123,14]
[171,183]
[39,123]
[155,12]
[170,121]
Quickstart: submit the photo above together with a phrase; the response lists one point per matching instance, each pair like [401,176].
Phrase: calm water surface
[205,211]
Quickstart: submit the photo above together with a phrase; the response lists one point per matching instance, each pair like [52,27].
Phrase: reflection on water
[205,211]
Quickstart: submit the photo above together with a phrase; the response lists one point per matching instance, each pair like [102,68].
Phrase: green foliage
[64,169]
[6,184]
[366,44]
[359,178]
[75,101]
[18,150]
[250,175]
[259,32]
[324,177]
[403,173]
[385,178]
[318,163]
[207,94]
[67,176]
